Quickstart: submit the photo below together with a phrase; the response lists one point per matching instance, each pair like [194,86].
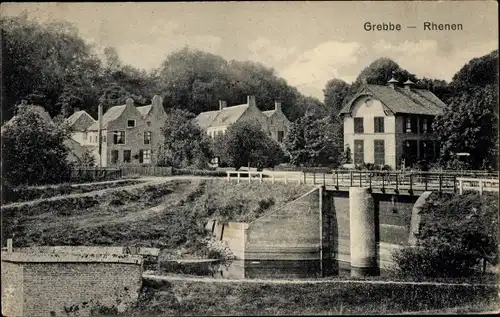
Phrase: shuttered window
[358,125]
[378,123]
[359,155]
[379,152]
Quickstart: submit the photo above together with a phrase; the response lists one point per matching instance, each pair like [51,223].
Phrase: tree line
[52,66]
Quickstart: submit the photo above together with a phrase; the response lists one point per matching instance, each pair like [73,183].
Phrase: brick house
[389,125]
[130,134]
[274,122]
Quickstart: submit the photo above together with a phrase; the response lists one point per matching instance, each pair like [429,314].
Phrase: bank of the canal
[181,295]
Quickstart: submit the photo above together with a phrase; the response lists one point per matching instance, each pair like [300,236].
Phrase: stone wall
[61,284]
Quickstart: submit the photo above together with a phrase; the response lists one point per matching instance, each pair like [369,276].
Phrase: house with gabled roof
[392,125]
[273,122]
[129,134]
[80,121]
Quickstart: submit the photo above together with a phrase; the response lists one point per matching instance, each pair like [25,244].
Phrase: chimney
[99,133]
[222,104]
[251,100]
[408,84]
[277,106]
[76,109]
[392,82]
[157,101]
[129,102]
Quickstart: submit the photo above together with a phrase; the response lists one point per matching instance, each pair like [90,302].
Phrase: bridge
[385,182]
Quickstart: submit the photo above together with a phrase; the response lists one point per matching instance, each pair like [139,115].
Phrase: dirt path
[160,278]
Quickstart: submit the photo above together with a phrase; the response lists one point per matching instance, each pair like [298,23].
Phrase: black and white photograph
[239,158]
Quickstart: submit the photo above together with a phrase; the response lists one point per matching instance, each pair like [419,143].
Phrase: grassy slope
[202,298]
[125,217]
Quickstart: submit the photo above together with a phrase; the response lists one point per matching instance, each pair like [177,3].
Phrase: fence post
[350,178]
[286,178]
[9,245]
[314,178]
[397,182]
[324,180]
[454,183]
[370,180]
[228,177]
[383,182]
[304,177]
[249,177]
[238,177]
[411,183]
[260,178]
[460,186]
[337,174]
[440,182]
[360,179]
[481,184]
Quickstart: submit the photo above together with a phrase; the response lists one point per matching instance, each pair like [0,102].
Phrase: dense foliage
[185,144]
[33,150]
[457,233]
[314,141]
[246,144]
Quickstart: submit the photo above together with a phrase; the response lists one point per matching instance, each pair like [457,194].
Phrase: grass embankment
[127,217]
[174,298]
[27,193]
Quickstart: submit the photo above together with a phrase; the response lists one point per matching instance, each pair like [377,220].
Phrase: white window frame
[146,159]
[124,138]
[129,127]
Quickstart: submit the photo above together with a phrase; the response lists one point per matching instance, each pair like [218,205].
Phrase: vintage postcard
[249,158]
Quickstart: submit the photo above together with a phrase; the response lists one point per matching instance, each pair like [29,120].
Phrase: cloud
[263,50]
[313,68]
[425,58]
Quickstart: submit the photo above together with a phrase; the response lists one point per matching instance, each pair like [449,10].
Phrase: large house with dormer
[391,125]
[274,122]
[130,134]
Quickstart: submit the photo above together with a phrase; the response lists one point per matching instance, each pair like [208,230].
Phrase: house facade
[391,125]
[129,134]
[274,122]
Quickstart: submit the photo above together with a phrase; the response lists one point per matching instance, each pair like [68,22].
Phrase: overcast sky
[307,43]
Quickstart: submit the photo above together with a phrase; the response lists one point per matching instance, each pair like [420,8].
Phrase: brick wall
[52,284]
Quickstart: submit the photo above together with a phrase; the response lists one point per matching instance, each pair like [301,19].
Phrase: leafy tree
[185,145]
[457,233]
[246,143]
[314,141]
[335,92]
[470,122]
[33,150]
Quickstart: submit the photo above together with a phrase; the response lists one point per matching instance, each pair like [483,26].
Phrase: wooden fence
[82,174]
[146,170]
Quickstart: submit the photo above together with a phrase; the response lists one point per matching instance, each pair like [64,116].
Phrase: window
[146,156]
[379,146]
[281,134]
[103,139]
[147,137]
[358,125]
[359,155]
[148,123]
[127,156]
[130,123]
[114,156]
[411,124]
[378,124]
[424,128]
[119,137]
[407,124]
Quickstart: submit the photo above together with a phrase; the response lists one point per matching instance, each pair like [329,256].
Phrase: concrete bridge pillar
[362,232]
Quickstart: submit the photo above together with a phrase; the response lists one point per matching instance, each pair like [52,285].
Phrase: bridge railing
[385,180]
[286,177]
[477,184]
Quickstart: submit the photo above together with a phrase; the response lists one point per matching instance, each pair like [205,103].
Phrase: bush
[457,233]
